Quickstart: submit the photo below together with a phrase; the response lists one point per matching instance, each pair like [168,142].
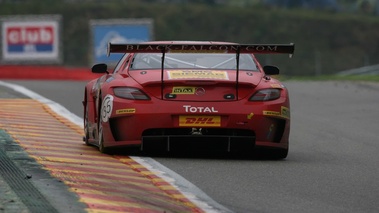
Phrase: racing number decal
[106,108]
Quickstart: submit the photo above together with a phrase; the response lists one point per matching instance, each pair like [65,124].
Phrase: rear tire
[270,153]
[278,154]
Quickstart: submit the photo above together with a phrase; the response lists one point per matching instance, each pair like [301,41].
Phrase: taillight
[266,95]
[130,93]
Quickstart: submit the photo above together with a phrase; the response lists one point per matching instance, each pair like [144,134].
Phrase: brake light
[266,95]
[130,93]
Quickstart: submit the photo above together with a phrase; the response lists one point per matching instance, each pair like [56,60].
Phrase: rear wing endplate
[202,48]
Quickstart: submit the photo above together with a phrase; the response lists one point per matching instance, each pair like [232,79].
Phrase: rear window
[192,61]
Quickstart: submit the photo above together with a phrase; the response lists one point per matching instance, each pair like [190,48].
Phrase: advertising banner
[117,31]
[31,39]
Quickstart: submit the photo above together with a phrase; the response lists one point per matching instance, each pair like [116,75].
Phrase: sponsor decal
[271,113]
[250,116]
[199,121]
[192,109]
[201,48]
[284,113]
[198,51]
[197,74]
[183,90]
[106,108]
[126,111]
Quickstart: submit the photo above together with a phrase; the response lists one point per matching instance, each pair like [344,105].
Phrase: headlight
[266,95]
[130,93]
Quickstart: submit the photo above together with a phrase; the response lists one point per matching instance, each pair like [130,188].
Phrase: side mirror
[100,68]
[271,70]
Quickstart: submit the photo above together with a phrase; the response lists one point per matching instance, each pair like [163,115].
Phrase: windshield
[192,61]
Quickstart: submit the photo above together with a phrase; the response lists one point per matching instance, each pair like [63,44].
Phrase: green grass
[370,78]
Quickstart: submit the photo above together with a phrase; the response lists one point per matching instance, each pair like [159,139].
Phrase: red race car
[196,95]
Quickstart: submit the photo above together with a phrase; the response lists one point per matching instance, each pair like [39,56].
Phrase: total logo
[193,109]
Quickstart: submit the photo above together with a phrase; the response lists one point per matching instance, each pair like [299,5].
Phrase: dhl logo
[199,121]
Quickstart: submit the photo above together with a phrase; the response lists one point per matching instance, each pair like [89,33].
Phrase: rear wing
[202,48]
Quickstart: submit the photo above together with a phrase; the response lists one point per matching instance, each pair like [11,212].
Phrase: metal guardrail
[367,70]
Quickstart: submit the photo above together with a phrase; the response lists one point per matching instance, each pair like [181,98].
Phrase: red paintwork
[157,113]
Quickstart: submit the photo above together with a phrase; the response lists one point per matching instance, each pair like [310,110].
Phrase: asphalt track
[332,165]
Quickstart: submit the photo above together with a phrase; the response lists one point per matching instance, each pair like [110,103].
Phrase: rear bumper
[261,123]
[221,143]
